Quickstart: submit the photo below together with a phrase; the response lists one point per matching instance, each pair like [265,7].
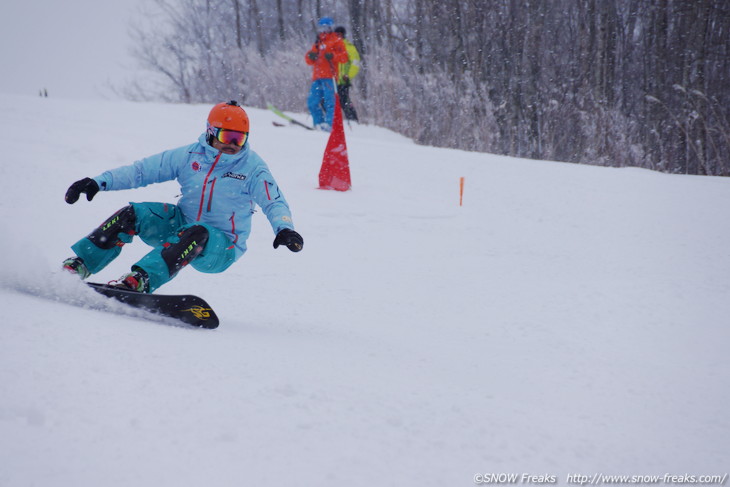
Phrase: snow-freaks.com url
[601,479]
[669,479]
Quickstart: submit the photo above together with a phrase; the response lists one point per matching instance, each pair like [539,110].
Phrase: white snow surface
[566,319]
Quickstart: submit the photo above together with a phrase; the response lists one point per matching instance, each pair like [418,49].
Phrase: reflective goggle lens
[231,137]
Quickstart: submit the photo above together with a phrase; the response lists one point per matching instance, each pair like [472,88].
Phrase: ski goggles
[225,136]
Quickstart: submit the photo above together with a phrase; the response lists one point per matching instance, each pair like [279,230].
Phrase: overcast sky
[72,48]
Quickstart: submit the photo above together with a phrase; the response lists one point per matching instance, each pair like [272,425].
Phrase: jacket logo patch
[195,166]
[241,177]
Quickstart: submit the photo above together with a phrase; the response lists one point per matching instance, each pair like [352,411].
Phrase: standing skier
[324,57]
[221,181]
[346,72]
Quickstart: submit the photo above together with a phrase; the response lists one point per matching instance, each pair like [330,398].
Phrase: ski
[187,308]
[287,117]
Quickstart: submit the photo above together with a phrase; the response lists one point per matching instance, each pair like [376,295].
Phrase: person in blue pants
[325,56]
[222,181]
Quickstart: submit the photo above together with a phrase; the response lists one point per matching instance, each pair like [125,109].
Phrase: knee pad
[107,235]
[191,244]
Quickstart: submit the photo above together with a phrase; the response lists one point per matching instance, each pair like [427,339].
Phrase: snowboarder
[347,71]
[324,57]
[221,181]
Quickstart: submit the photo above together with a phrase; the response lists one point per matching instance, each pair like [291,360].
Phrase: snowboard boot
[75,265]
[137,280]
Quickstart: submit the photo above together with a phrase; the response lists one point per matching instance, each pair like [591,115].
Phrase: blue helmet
[325,24]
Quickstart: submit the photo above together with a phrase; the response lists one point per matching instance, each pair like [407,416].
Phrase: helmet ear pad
[210,134]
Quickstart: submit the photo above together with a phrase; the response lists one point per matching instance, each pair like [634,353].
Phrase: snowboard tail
[187,308]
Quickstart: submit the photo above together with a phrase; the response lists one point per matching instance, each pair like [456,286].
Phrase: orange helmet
[229,116]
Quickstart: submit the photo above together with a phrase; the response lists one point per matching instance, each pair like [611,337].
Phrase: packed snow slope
[565,320]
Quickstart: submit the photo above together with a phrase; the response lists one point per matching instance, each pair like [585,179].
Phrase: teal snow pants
[159,225]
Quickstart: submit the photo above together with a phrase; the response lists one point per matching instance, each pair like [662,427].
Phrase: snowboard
[187,308]
[287,117]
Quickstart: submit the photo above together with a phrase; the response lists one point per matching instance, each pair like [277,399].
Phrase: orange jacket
[327,43]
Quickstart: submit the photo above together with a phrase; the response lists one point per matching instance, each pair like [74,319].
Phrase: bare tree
[627,82]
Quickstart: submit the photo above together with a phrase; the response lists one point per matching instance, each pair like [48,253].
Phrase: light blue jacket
[219,189]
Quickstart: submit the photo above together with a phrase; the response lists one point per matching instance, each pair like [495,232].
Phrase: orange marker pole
[461,191]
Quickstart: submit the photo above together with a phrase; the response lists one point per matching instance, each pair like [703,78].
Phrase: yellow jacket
[352,66]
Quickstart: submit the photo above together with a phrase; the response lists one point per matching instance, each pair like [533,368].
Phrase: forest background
[641,83]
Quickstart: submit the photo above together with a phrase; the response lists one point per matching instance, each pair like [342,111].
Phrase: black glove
[328,56]
[290,238]
[312,55]
[86,185]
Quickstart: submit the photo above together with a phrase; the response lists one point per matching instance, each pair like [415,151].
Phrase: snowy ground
[566,320]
